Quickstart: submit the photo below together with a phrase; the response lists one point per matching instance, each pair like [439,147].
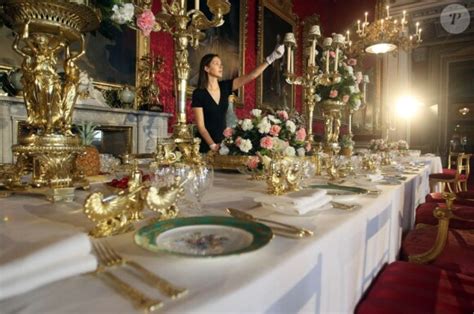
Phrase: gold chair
[453,177]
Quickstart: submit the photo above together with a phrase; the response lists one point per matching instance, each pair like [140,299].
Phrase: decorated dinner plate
[206,236]
[340,192]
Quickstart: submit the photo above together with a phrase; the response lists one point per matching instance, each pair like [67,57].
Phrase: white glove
[276,54]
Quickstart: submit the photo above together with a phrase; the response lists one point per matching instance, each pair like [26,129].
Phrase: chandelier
[385,34]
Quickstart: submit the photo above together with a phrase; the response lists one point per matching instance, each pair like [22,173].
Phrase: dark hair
[205,61]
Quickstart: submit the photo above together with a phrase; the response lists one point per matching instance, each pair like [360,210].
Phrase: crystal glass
[201,180]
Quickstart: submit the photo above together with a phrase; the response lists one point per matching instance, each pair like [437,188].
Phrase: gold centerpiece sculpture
[44,30]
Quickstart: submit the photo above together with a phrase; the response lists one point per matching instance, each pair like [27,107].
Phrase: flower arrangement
[120,12]
[378,145]
[402,145]
[346,88]
[263,134]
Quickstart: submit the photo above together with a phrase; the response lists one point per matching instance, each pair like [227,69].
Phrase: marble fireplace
[121,130]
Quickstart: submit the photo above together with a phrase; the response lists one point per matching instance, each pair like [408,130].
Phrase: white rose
[123,13]
[264,126]
[291,126]
[279,144]
[290,151]
[266,161]
[273,119]
[256,113]
[245,145]
[317,97]
[352,89]
[349,69]
[301,152]
[247,125]
[224,150]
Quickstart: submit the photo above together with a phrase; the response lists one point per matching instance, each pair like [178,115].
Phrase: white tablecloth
[326,273]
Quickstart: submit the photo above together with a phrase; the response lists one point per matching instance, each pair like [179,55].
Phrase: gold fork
[112,258]
[139,300]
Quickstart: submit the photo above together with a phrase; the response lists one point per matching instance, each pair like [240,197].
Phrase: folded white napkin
[40,263]
[285,208]
[374,177]
[297,199]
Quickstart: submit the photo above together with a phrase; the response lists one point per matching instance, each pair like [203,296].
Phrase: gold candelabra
[45,29]
[186,26]
[311,77]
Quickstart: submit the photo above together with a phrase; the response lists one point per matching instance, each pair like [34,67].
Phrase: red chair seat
[424,215]
[404,287]
[449,171]
[462,198]
[466,195]
[443,176]
[457,255]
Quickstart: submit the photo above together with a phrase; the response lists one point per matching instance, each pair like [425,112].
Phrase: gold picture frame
[275,18]
[236,66]
[10,59]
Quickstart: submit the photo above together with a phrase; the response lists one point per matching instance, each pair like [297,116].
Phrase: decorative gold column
[44,29]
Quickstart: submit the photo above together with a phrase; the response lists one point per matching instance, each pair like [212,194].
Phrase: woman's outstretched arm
[244,79]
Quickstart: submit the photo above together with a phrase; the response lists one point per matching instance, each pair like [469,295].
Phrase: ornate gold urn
[332,113]
[45,30]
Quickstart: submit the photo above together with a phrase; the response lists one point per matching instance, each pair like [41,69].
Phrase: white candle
[288,57]
[292,63]
[348,36]
[358,26]
[417,27]
[327,61]
[336,59]
[196,5]
[366,14]
[388,12]
[404,16]
[419,34]
[381,24]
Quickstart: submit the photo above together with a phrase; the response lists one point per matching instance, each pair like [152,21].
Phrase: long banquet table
[328,272]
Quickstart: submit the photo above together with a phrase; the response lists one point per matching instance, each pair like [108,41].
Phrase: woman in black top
[210,98]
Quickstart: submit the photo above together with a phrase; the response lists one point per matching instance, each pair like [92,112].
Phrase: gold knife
[246,216]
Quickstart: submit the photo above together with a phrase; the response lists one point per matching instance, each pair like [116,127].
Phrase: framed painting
[275,19]
[228,41]
[112,63]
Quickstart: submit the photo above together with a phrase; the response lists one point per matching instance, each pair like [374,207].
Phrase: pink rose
[146,22]
[238,141]
[301,134]
[332,54]
[282,114]
[275,130]
[228,132]
[345,98]
[266,142]
[333,93]
[253,162]
[352,62]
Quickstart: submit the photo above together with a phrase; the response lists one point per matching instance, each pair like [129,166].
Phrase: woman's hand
[276,54]
[214,147]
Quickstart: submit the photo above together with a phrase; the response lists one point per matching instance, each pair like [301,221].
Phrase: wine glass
[201,180]
[463,142]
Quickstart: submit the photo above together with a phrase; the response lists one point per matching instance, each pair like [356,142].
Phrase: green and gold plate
[206,236]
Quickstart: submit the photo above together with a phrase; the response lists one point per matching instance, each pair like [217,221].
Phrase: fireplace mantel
[146,126]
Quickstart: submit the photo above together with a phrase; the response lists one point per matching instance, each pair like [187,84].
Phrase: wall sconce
[464,110]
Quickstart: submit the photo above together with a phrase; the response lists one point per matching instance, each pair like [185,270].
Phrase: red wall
[335,15]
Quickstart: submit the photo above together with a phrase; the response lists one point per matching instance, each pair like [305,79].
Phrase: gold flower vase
[44,30]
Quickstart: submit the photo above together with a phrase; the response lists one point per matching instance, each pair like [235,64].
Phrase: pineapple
[89,161]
